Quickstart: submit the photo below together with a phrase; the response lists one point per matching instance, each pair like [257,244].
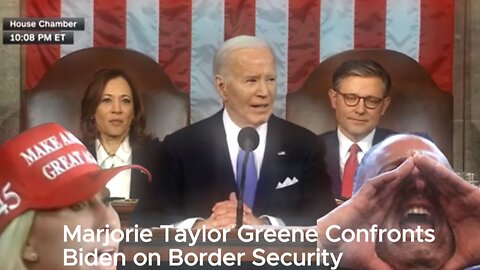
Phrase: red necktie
[349,171]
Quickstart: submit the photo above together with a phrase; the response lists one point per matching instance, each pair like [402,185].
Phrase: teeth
[417,211]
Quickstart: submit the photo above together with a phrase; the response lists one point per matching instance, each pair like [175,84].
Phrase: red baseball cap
[47,167]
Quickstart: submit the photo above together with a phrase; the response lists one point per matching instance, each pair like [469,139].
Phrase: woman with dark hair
[113,128]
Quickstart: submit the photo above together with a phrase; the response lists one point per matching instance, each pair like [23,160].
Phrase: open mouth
[417,216]
[260,107]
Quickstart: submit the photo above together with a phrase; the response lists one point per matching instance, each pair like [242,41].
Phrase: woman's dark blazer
[145,153]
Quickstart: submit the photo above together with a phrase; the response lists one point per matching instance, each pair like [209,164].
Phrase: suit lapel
[136,175]
[91,149]
[267,180]
[215,143]
[332,159]
[381,134]
[378,136]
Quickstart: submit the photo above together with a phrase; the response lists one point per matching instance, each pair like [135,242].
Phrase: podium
[124,208]
[234,246]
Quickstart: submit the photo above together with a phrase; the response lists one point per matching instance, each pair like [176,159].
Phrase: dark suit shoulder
[90,147]
[290,129]
[385,131]
[151,144]
[146,153]
[199,128]
[196,137]
[330,139]
[328,134]
[381,134]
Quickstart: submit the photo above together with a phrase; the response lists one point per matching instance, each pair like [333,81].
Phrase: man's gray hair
[235,43]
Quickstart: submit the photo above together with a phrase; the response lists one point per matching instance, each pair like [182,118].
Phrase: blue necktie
[250,177]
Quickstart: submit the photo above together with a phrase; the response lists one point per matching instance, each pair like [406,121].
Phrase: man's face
[415,204]
[247,87]
[358,121]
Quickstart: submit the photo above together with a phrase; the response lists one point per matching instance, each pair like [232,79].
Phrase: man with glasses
[360,97]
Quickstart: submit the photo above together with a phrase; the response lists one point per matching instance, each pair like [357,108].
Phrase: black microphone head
[248,139]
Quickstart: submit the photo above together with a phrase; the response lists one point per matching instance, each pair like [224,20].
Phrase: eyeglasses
[352,100]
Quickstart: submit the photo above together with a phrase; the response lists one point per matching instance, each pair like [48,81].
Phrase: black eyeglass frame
[367,101]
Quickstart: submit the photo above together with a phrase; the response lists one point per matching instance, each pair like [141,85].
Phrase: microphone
[248,140]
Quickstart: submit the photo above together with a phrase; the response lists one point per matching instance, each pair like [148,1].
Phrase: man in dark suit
[360,97]
[198,183]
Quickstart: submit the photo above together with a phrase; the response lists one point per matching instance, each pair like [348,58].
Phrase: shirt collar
[344,142]
[232,129]
[124,151]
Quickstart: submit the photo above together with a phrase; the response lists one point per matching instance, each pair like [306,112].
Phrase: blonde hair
[13,239]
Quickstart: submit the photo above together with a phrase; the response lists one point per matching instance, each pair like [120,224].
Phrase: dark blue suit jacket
[332,158]
[196,173]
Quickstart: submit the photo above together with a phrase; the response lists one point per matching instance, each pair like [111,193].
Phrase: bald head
[391,152]
[413,204]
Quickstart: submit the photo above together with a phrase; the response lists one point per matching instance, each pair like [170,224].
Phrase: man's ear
[29,254]
[386,103]
[220,86]
[332,95]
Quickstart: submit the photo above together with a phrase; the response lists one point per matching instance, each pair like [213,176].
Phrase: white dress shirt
[231,131]
[119,186]
[344,144]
